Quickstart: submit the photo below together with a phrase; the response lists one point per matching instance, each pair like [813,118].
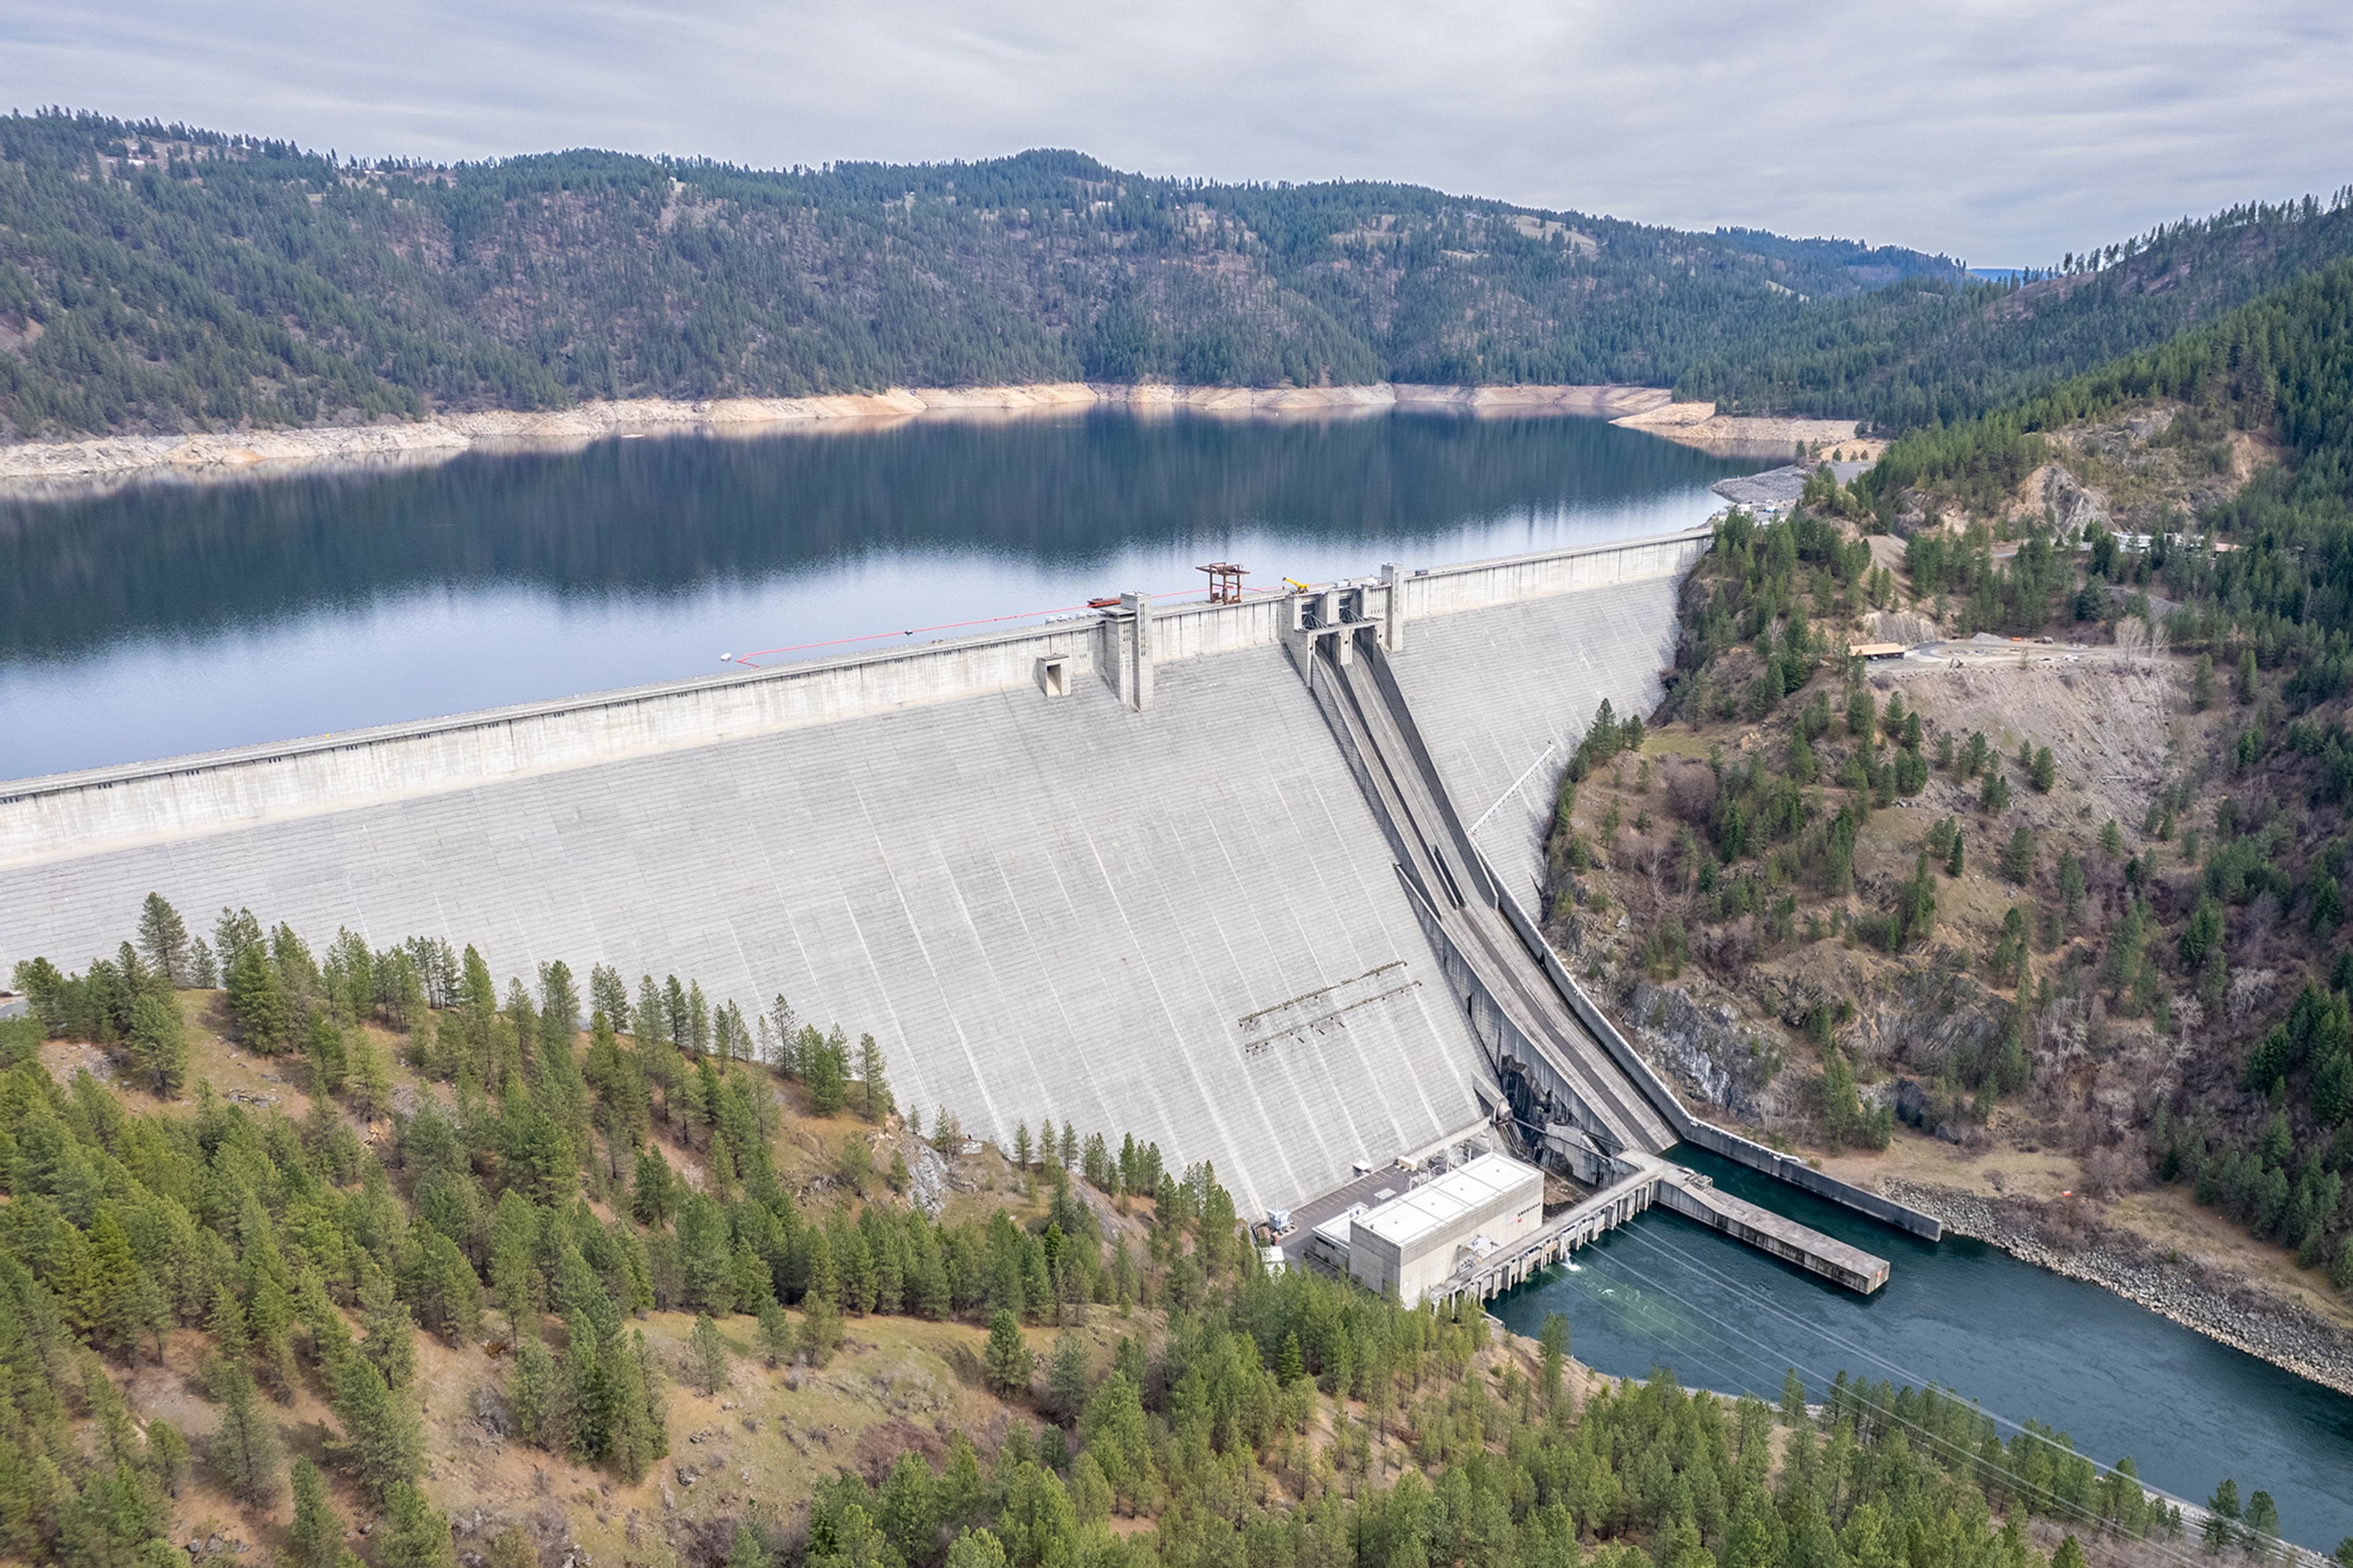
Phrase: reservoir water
[172,618]
[2025,1344]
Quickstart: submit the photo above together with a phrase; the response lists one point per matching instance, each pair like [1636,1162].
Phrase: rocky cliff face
[1706,1049]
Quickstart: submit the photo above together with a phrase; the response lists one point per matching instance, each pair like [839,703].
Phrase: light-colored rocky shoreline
[79,466]
[2235,1314]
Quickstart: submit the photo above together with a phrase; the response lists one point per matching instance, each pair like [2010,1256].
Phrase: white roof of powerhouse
[1445,1201]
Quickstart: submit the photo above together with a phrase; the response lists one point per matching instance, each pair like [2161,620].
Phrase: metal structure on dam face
[1108,871]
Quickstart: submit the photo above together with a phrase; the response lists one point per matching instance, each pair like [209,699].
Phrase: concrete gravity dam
[1249,880]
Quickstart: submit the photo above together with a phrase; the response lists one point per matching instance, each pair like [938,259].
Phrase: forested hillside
[1928,350]
[684,1300]
[156,277]
[2262,1122]
[2116,926]
[160,278]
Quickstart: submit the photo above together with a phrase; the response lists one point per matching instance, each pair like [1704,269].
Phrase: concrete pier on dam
[1112,870]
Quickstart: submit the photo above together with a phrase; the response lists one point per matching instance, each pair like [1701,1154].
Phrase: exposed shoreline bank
[2243,1317]
[62,467]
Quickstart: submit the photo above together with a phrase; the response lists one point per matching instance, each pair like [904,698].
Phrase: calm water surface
[2024,1343]
[172,618]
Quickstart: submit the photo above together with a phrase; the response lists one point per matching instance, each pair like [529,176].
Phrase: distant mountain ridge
[1926,349]
[159,279]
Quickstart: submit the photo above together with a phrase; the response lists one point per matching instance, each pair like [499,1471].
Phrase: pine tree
[776,1333]
[159,1043]
[388,1334]
[446,1289]
[531,1392]
[784,1037]
[368,1087]
[380,1430]
[1009,1359]
[325,1046]
[875,1093]
[414,1536]
[1067,1380]
[257,1000]
[235,931]
[245,1448]
[2018,858]
[638,1434]
[583,1401]
[167,1456]
[559,1004]
[164,941]
[112,1305]
[608,993]
[316,1539]
[654,1196]
[820,1327]
[1554,1339]
[649,1023]
[747,1551]
[977,1549]
[1291,1365]
[707,1354]
[826,1071]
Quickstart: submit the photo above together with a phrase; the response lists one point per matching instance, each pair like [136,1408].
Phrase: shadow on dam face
[1043,902]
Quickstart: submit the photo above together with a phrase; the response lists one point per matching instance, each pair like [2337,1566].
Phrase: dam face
[1115,872]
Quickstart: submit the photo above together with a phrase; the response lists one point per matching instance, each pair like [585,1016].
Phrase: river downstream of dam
[2026,1344]
[170,618]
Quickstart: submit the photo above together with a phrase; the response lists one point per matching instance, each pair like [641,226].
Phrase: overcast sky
[2001,132]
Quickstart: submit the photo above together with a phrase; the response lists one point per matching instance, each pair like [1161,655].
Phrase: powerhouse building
[1415,1241]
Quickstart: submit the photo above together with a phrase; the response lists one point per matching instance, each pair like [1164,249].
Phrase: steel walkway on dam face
[1154,903]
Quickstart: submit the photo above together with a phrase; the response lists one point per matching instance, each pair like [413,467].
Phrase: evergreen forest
[495,1189]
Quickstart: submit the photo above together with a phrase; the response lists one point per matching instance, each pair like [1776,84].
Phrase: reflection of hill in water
[667,515]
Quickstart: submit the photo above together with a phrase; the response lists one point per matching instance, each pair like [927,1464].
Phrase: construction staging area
[1248,878]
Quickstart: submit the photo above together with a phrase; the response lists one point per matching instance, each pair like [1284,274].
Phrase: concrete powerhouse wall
[1183,921]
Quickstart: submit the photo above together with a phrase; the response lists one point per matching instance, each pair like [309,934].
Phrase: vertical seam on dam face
[1050,902]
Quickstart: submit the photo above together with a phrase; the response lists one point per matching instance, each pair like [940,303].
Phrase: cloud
[2001,132]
